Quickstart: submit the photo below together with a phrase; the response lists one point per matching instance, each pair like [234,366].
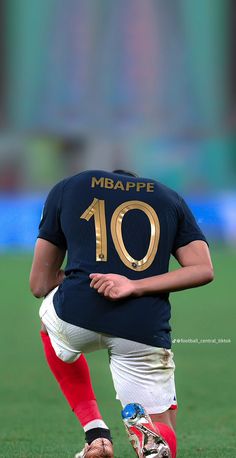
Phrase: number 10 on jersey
[98,211]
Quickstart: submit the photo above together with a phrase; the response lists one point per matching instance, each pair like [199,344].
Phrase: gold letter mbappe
[97,182]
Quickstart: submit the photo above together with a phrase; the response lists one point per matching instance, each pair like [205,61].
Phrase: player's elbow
[36,288]
[208,274]
[211,275]
[37,292]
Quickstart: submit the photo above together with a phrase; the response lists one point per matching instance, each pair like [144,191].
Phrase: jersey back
[113,223]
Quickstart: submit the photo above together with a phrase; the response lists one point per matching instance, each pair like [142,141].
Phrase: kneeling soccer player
[123,229]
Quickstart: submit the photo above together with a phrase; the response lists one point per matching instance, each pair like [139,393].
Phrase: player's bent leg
[74,378]
[142,373]
[75,383]
[145,375]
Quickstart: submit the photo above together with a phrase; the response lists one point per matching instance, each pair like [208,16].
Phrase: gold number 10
[97,209]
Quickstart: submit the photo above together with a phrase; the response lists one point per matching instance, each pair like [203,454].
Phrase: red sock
[74,380]
[169,435]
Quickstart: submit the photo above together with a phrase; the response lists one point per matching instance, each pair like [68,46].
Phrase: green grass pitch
[35,420]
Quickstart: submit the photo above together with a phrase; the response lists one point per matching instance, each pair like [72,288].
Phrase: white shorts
[140,373]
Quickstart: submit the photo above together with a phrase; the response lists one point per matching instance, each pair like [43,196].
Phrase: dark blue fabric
[144,319]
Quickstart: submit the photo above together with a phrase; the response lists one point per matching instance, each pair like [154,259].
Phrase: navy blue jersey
[113,223]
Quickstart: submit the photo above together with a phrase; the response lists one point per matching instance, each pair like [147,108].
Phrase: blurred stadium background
[103,84]
[145,85]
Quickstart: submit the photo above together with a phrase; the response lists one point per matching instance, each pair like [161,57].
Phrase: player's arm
[196,270]
[46,272]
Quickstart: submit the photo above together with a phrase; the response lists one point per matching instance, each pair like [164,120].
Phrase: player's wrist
[146,286]
[137,288]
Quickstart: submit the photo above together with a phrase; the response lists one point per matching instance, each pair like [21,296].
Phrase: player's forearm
[177,280]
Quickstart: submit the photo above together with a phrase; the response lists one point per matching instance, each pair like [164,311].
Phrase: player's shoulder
[73,179]
[82,177]
[57,188]
[167,193]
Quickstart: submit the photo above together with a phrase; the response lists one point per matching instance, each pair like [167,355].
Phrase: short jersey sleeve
[50,225]
[188,230]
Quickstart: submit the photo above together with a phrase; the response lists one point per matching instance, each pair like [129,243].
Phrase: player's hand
[112,286]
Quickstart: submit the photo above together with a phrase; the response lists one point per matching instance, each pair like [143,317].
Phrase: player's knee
[67,356]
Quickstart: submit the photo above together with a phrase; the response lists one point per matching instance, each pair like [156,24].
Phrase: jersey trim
[191,238]
[52,239]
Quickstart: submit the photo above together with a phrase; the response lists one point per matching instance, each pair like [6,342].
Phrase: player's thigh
[68,340]
[143,374]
